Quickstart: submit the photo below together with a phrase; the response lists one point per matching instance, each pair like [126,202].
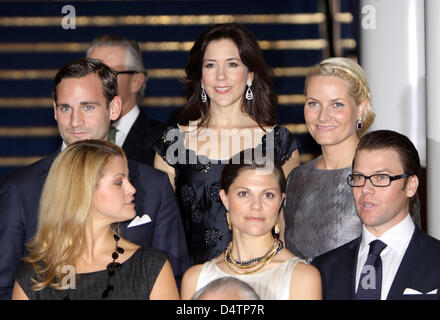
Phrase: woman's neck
[245,247]
[229,117]
[99,242]
[338,156]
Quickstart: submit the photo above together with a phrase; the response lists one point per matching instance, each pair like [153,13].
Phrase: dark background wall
[294,34]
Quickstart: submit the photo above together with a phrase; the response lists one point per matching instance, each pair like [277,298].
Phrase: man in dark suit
[136,132]
[85,101]
[393,258]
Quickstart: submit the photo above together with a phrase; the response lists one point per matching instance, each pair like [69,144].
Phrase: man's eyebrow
[379,171]
[62,104]
[90,102]
[82,103]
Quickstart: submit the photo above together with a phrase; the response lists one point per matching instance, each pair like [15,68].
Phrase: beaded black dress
[197,188]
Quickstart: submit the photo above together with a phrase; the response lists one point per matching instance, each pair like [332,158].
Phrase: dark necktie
[112,135]
[370,281]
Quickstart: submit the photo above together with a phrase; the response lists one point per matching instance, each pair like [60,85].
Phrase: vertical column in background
[433,115]
[393,56]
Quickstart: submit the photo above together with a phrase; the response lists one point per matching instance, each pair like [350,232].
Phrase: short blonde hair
[64,209]
[356,80]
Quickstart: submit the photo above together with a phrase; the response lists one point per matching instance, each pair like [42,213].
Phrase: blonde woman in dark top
[77,252]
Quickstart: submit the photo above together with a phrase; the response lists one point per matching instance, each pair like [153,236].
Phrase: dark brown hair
[386,139]
[82,67]
[247,159]
[262,108]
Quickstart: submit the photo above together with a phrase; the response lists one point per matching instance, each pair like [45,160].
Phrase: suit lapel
[412,256]
[133,168]
[138,134]
[341,272]
[353,266]
[46,163]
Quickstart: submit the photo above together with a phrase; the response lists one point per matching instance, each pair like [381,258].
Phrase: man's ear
[55,110]
[224,199]
[136,82]
[115,107]
[411,186]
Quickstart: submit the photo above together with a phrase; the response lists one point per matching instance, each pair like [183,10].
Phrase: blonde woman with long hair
[77,252]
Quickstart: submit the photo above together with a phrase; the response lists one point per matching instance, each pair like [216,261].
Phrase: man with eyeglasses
[134,131]
[393,258]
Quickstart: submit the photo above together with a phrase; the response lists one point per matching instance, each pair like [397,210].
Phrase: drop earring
[228,219]
[249,93]
[276,228]
[359,124]
[204,96]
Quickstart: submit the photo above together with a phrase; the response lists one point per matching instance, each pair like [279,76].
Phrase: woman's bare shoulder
[305,283]
[189,281]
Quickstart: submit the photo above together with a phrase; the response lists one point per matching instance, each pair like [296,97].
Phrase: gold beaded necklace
[255,264]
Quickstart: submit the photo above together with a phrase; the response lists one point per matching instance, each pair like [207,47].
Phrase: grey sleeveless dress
[320,212]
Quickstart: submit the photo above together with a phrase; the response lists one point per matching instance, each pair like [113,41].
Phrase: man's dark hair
[386,139]
[82,67]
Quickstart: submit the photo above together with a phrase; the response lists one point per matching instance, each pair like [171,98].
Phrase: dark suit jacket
[138,143]
[19,200]
[418,270]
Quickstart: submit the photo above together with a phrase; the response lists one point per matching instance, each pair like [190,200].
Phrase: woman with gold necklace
[252,194]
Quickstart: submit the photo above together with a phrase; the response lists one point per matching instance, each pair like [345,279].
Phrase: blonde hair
[64,209]
[356,80]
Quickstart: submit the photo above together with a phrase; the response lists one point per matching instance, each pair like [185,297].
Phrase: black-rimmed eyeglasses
[377,180]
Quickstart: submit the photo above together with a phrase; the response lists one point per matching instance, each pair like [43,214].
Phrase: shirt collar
[397,238]
[125,123]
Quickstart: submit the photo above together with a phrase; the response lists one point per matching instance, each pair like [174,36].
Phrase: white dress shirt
[124,125]
[397,240]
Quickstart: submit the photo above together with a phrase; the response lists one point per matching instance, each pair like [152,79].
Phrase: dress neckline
[87,274]
[296,258]
[226,159]
[314,162]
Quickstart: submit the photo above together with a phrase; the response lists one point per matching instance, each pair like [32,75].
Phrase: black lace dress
[197,188]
